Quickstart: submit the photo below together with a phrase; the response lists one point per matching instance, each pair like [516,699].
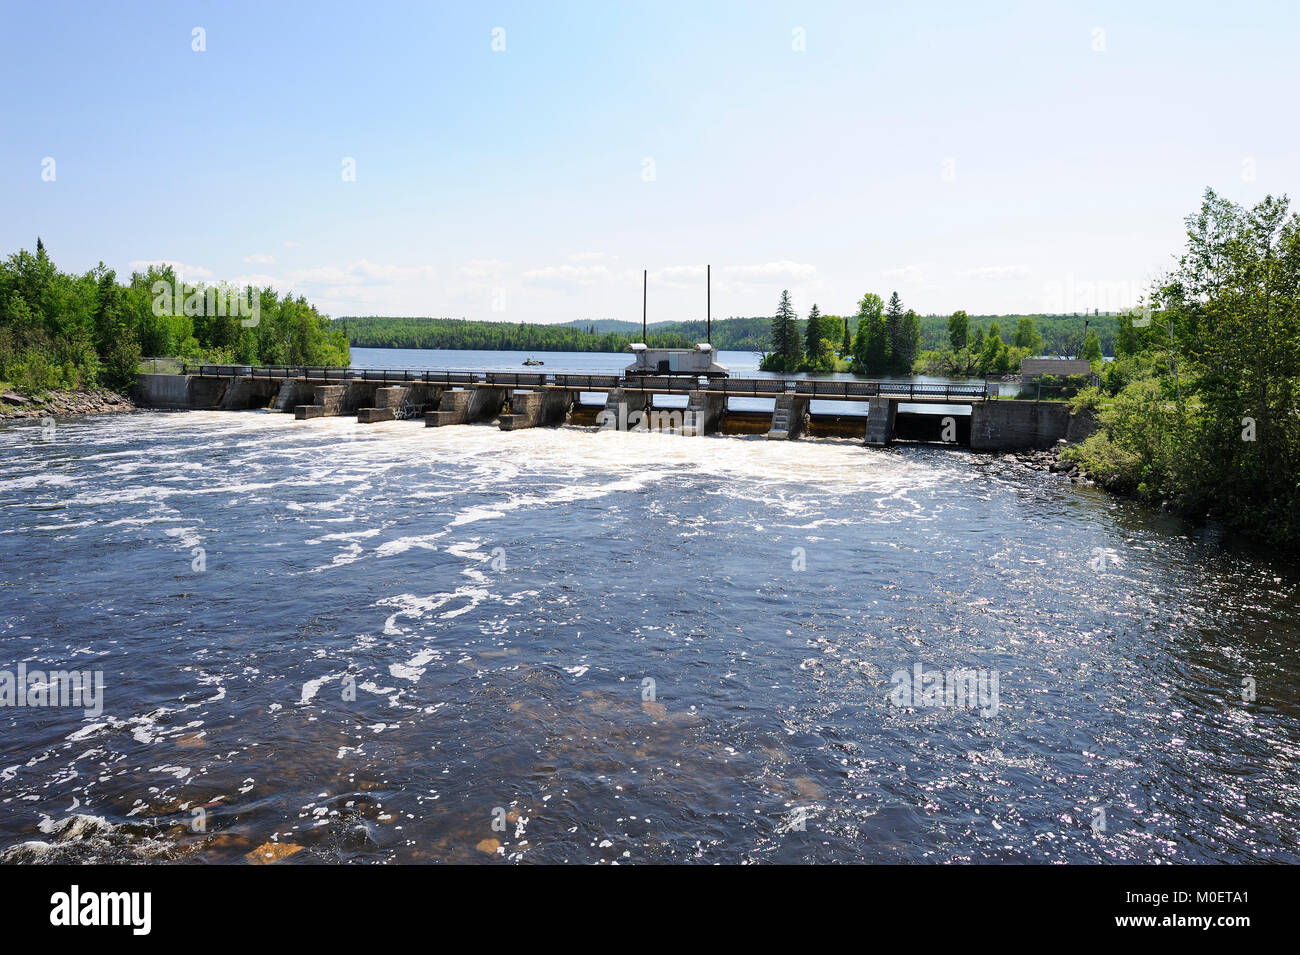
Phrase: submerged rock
[271,852]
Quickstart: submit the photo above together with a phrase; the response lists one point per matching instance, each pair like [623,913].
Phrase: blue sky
[997,157]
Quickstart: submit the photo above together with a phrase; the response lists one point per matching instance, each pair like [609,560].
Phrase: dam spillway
[527,400]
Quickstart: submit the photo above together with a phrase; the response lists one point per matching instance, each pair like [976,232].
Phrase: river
[392,643]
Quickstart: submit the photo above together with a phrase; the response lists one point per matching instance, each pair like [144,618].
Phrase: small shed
[675,361]
[1061,367]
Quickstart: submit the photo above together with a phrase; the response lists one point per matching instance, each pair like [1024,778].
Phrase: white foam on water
[413,668]
[312,687]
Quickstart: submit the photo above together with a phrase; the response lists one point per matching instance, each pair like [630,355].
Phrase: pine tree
[813,335]
[894,329]
[787,347]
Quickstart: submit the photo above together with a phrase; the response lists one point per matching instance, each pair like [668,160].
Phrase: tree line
[972,350]
[62,330]
[882,339]
[373,331]
[886,339]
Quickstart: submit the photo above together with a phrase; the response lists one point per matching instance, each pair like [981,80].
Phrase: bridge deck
[819,388]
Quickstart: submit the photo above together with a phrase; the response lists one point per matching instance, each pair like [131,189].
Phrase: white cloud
[260,258]
[291,244]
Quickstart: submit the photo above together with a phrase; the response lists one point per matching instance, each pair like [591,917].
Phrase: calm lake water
[367,643]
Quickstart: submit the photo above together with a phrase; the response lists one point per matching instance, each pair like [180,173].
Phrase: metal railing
[760,387]
[899,388]
[591,382]
[668,383]
[326,374]
[748,387]
[836,389]
[514,379]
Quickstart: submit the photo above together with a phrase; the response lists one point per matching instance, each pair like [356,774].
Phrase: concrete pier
[467,406]
[705,409]
[789,416]
[631,400]
[537,409]
[880,421]
[293,392]
[328,398]
[342,399]
[400,401]
[336,400]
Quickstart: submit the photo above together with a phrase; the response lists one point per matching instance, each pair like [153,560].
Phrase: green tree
[992,354]
[893,327]
[1206,409]
[870,308]
[1092,347]
[958,330]
[1027,337]
[814,334]
[787,345]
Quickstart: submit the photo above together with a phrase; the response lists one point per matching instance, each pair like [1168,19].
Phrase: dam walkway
[515,400]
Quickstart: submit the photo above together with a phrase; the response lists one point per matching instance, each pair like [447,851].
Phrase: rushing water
[499,600]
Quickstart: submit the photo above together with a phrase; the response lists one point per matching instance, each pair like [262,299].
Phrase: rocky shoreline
[1048,461]
[62,404]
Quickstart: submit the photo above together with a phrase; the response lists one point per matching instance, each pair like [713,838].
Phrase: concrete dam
[699,405]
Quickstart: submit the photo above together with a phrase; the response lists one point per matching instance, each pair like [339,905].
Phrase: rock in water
[271,852]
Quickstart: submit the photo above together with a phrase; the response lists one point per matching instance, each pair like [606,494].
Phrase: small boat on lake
[534,361]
